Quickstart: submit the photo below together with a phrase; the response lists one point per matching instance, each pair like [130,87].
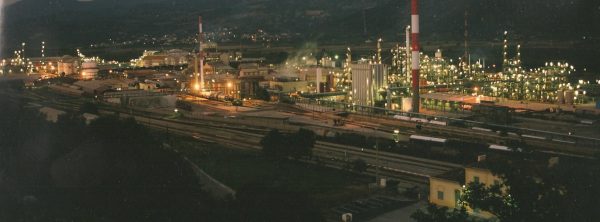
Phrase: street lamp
[396,136]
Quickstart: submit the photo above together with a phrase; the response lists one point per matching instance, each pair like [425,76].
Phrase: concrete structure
[480,174]
[367,81]
[224,84]
[252,70]
[446,189]
[67,65]
[98,87]
[148,85]
[318,80]
[140,74]
[201,56]
[289,86]
[52,114]
[219,68]
[171,57]
[89,70]
[89,118]
[141,98]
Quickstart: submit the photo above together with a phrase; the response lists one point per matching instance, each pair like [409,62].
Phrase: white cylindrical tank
[406,105]
[560,96]
[89,65]
[89,70]
[569,97]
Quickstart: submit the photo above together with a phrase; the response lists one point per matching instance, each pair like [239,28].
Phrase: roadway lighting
[396,136]
[176,110]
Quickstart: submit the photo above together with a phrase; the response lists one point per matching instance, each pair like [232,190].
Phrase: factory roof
[139,73]
[248,66]
[154,57]
[96,86]
[450,97]
[456,175]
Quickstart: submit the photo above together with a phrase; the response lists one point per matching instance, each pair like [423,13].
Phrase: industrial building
[173,57]
[446,190]
[368,80]
[89,70]
[67,65]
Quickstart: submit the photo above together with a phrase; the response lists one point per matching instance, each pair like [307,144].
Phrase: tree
[256,202]
[302,143]
[279,146]
[441,214]
[274,145]
[534,191]
[57,165]
[491,199]
[88,107]
[359,166]
[262,94]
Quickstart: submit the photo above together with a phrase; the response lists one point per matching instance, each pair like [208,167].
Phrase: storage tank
[406,104]
[89,65]
[569,97]
[66,65]
[89,70]
[560,96]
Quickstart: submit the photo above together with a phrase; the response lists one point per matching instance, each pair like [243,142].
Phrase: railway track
[409,170]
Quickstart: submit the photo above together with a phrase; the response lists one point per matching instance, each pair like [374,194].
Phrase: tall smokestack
[415,54]
[466,53]
[407,66]
[201,52]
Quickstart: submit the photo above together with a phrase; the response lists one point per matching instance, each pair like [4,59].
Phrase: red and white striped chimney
[201,52]
[415,54]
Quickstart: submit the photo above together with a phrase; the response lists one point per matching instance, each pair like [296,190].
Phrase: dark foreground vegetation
[560,189]
[115,169]
[111,170]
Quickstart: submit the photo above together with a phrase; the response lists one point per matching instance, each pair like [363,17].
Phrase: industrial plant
[390,126]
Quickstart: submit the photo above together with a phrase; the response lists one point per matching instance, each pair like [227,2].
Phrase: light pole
[377,159]
[396,135]
[378,164]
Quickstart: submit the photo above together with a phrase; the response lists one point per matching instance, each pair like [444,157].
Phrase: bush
[359,166]
[88,107]
[278,146]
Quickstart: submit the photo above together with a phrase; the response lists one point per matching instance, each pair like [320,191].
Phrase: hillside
[76,23]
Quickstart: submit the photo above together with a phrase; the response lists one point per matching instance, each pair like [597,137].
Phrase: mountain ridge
[75,23]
